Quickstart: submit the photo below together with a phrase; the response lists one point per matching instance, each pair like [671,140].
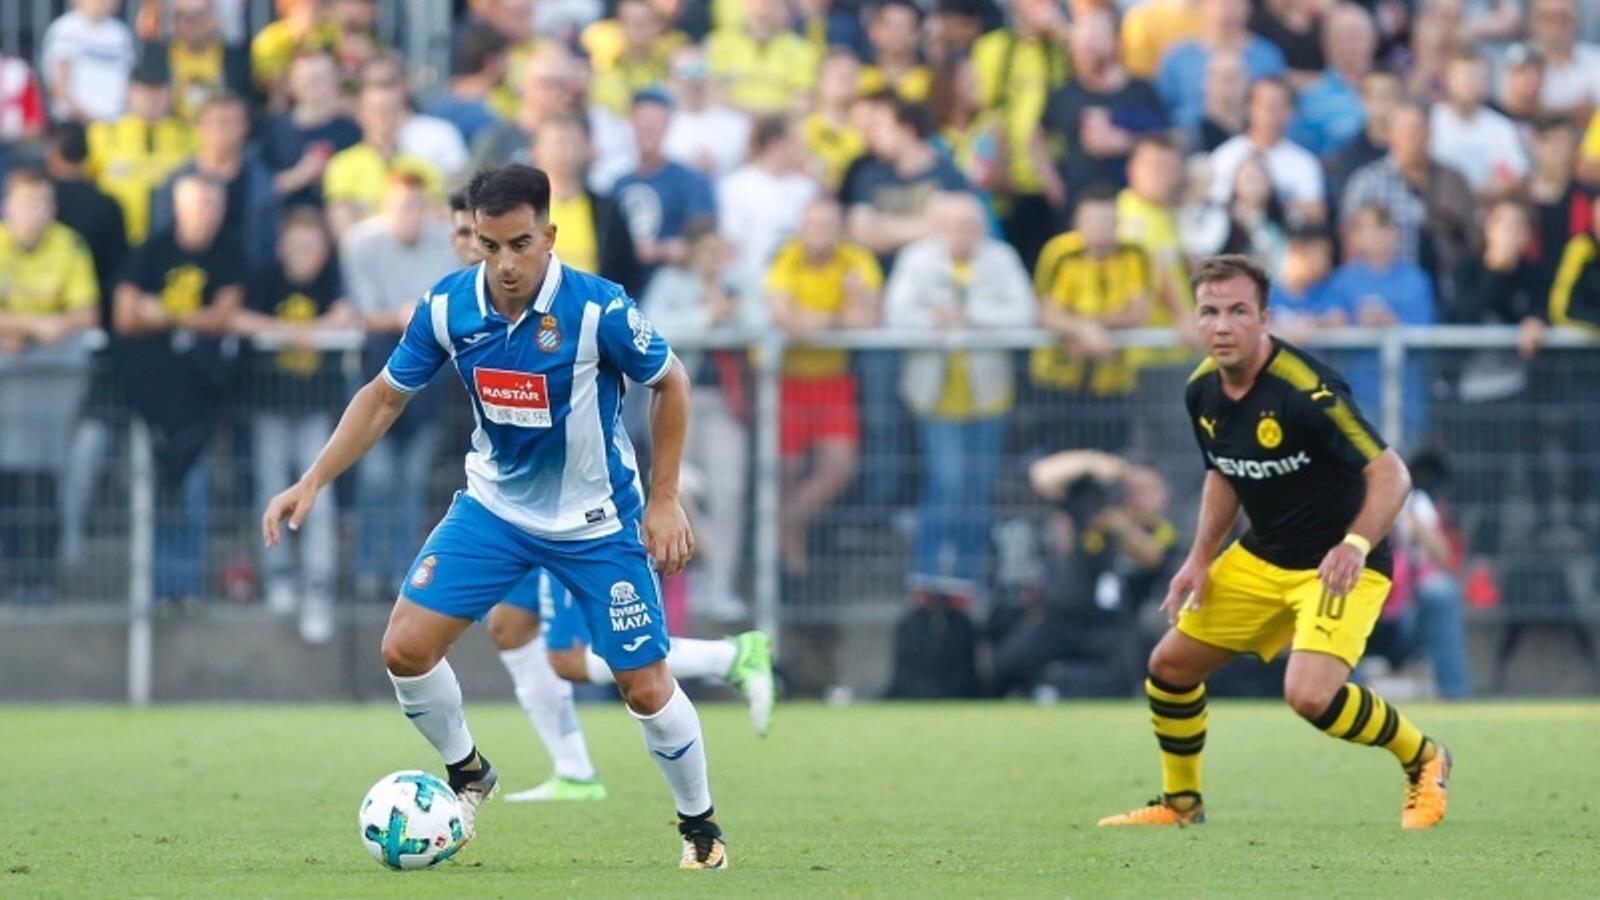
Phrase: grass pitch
[935,800]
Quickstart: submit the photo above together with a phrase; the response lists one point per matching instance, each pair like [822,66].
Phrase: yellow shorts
[1253,606]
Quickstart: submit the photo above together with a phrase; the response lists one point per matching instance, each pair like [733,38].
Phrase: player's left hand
[1341,569]
[667,535]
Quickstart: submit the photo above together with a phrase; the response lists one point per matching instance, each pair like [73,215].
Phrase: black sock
[706,821]
[467,770]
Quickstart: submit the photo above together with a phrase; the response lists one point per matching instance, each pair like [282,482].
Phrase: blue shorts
[550,600]
[474,559]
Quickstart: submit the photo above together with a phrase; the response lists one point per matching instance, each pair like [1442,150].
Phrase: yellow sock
[1179,717]
[1362,717]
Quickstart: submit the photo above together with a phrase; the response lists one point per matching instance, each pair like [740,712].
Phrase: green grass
[938,800]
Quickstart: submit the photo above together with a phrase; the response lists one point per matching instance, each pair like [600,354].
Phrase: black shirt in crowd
[1302,50]
[98,219]
[293,380]
[1135,108]
[1294,449]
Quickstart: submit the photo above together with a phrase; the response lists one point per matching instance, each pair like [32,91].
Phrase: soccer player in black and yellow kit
[1283,440]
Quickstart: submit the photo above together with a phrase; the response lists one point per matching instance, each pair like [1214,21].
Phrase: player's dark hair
[498,190]
[1230,266]
[70,141]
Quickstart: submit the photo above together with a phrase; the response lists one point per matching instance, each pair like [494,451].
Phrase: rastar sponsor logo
[1258,469]
[513,398]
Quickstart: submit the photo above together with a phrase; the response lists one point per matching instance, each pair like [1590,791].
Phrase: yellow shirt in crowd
[54,277]
[276,45]
[837,147]
[576,240]
[762,78]
[819,287]
[1153,229]
[955,401]
[1150,28]
[1015,77]
[1069,278]
[131,158]
[913,87]
[196,75]
[359,175]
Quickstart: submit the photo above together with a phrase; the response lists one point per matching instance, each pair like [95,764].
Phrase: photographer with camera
[1108,544]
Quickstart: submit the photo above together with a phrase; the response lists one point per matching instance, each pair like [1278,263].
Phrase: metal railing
[129,544]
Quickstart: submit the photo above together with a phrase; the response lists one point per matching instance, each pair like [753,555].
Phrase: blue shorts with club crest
[474,559]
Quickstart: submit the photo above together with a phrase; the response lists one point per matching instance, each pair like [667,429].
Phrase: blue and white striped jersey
[549,453]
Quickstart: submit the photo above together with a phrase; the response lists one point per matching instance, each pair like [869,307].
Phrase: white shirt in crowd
[1575,84]
[757,211]
[716,134]
[437,141]
[1478,146]
[1295,173]
[100,56]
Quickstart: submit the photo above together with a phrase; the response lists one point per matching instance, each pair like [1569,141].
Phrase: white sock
[688,658]
[598,671]
[692,658]
[433,703]
[547,699]
[673,736]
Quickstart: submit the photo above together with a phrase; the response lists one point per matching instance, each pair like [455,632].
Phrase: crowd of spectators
[218,196]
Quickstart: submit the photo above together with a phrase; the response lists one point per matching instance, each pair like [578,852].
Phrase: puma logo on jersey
[1322,393]
[1210,426]
[1256,469]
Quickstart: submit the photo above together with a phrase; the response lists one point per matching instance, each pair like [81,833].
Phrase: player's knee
[647,690]
[1169,667]
[571,663]
[404,658]
[1309,699]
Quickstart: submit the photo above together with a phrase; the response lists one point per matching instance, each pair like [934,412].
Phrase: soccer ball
[411,820]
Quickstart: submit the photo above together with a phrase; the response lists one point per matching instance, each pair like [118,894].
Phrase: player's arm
[1388,485]
[1219,506]
[372,411]
[667,534]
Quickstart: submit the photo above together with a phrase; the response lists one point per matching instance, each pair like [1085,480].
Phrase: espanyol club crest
[423,576]
[549,337]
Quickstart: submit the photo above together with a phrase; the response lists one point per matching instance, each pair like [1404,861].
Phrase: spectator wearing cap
[660,197]
[355,178]
[202,63]
[86,58]
[760,203]
[762,65]
[592,232]
[1299,302]
[135,154]
[1380,92]
[1432,207]
[250,215]
[1522,87]
[1571,68]
[1151,28]
[706,134]
[1182,78]
[830,131]
[1471,138]
[1296,28]
[1296,174]
[1016,68]
[298,142]
[645,59]
[893,30]
[1330,112]
[1102,112]
[479,64]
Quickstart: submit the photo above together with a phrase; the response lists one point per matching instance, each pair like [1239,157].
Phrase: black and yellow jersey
[1293,448]
[1071,278]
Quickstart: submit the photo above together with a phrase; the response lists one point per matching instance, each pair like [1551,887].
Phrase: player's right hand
[1189,585]
[293,504]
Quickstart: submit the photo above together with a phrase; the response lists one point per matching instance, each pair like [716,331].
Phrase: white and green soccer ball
[411,820]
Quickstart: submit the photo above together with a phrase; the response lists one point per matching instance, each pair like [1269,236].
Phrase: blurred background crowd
[218,216]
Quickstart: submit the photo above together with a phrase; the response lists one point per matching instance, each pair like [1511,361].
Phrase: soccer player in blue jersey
[544,645]
[543,351]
